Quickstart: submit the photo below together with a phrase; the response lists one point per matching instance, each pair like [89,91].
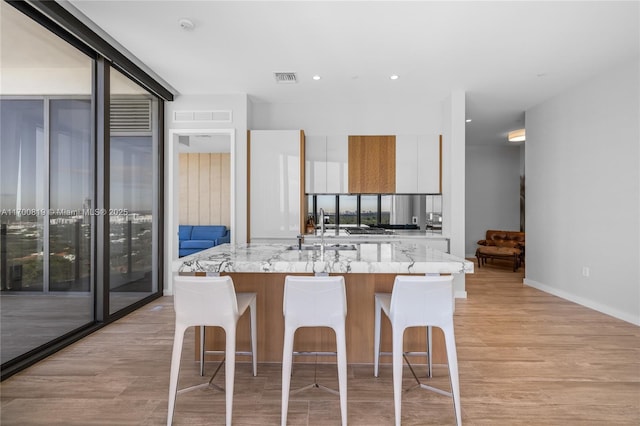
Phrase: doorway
[194,143]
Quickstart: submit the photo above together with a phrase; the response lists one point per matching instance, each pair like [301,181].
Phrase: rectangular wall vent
[220,116]
[286,77]
[130,115]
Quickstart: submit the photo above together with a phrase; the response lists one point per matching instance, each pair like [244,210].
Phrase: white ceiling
[507,56]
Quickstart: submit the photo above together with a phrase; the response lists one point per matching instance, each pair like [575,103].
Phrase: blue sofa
[194,238]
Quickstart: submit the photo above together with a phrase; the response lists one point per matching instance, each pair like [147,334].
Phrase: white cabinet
[316,164]
[275,183]
[417,164]
[338,164]
[406,164]
[429,164]
[327,164]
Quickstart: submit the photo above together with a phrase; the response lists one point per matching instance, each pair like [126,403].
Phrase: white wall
[583,198]
[354,119]
[492,191]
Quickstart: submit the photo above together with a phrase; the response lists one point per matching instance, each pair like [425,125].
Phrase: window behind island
[388,211]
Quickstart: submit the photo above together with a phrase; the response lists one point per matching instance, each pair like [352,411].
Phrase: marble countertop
[368,257]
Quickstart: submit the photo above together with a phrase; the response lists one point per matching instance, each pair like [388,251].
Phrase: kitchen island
[368,267]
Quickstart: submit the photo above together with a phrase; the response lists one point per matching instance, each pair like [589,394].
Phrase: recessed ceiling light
[394,77]
[316,77]
[468,120]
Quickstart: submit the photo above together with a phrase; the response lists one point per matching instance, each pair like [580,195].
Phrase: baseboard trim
[460,294]
[608,310]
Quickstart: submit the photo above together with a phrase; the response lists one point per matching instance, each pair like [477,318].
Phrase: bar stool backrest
[422,300]
[314,301]
[204,300]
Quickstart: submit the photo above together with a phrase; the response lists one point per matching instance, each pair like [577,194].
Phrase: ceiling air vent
[286,77]
[130,115]
[218,116]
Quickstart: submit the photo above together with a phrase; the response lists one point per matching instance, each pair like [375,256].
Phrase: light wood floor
[525,358]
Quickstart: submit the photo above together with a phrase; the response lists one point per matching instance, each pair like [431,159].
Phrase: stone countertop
[369,257]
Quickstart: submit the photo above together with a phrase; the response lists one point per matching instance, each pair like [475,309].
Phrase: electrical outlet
[585,271]
[414,219]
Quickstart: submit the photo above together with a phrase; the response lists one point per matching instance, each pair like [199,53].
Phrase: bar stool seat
[209,301]
[418,301]
[319,301]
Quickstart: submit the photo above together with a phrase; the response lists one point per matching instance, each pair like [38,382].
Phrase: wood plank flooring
[525,358]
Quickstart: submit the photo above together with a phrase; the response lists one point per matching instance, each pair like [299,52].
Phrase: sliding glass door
[57,228]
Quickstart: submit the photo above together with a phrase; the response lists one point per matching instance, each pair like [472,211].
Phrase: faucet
[322,213]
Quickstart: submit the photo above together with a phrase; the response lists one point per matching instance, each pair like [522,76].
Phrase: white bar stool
[209,301]
[418,301]
[319,301]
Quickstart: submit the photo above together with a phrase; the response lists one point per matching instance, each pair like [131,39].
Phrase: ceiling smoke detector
[285,77]
[186,24]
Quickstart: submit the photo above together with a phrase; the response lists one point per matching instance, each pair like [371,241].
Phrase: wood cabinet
[418,163]
[372,164]
[276,183]
[326,164]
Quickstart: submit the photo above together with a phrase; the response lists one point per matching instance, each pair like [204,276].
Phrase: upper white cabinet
[417,164]
[406,164]
[429,163]
[275,183]
[338,164]
[316,164]
[327,164]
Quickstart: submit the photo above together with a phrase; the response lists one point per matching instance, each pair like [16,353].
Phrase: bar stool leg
[202,327]
[398,335]
[342,371]
[376,337]
[287,359]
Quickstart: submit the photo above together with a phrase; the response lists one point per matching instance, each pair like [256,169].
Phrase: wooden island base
[360,323]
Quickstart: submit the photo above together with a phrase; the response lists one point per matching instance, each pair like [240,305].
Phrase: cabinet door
[406,164]
[337,165]
[275,181]
[372,164]
[429,162]
[316,164]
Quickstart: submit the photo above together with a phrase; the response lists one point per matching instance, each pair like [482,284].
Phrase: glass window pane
[70,195]
[348,210]
[328,203]
[22,196]
[133,174]
[386,201]
[369,210]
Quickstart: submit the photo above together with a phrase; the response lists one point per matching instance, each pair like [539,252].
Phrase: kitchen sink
[334,247]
